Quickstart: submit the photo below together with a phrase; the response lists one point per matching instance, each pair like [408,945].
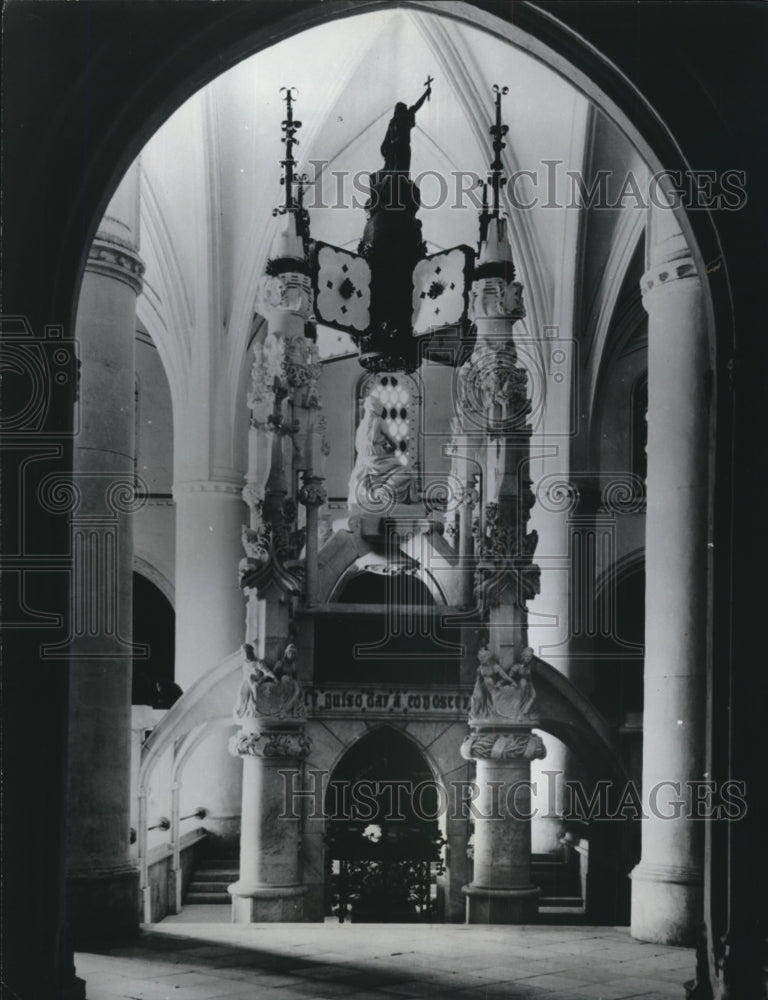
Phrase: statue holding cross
[396,148]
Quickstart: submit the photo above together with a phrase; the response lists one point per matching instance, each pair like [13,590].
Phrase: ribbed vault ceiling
[210,175]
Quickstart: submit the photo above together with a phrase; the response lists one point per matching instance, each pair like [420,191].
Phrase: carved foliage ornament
[493,391]
[313,494]
[503,746]
[270,744]
[266,372]
[270,549]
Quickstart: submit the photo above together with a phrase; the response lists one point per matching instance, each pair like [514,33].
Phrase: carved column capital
[293,743]
[503,745]
[116,259]
[313,493]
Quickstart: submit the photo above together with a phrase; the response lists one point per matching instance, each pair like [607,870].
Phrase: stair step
[229,863]
[569,902]
[197,886]
[563,915]
[207,897]
[227,875]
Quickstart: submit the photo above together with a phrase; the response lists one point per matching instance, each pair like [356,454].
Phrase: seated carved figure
[285,673]
[504,691]
[269,691]
[380,477]
[255,672]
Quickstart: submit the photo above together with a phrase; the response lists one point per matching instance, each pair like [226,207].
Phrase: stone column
[283,405]
[269,888]
[667,893]
[501,891]
[209,627]
[102,879]
[209,605]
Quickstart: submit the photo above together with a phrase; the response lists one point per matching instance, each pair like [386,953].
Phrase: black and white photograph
[384,544]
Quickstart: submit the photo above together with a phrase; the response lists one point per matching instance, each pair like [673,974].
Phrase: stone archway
[138,115]
[383,840]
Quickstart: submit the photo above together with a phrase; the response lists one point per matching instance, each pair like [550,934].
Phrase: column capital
[116,258]
[312,492]
[270,743]
[503,744]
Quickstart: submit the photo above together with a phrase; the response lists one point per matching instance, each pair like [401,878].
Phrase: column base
[667,904]
[255,904]
[502,906]
[103,906]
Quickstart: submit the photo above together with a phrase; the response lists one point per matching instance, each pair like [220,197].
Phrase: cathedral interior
[395,505]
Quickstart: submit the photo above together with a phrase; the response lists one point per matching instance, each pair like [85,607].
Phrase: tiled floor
[182,960]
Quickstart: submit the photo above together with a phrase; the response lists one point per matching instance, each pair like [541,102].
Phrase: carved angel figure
[269,691]
[501,690]
[255,671]
[286,675]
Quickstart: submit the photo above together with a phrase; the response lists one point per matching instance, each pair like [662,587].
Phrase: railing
[205,705]
[160,889]
[385,891]
[181,752]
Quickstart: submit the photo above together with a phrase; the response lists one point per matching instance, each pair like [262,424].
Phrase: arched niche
[388,633]
[154,624]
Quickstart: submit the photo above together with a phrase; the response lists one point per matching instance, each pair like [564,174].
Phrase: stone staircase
[209,883]
[561,900]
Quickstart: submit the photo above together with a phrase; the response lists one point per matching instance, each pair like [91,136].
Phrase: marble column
[209,627]
[501,891]
[667,892]
[209,605]
[270,887]
[102,881]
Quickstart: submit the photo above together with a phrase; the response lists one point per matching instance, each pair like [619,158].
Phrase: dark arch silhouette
[392,643]
[110,98]
[154,623]
[383,831]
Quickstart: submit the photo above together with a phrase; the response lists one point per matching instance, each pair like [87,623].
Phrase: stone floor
[185,960]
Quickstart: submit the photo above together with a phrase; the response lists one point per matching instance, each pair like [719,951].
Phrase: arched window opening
[383,847]
[154,624]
